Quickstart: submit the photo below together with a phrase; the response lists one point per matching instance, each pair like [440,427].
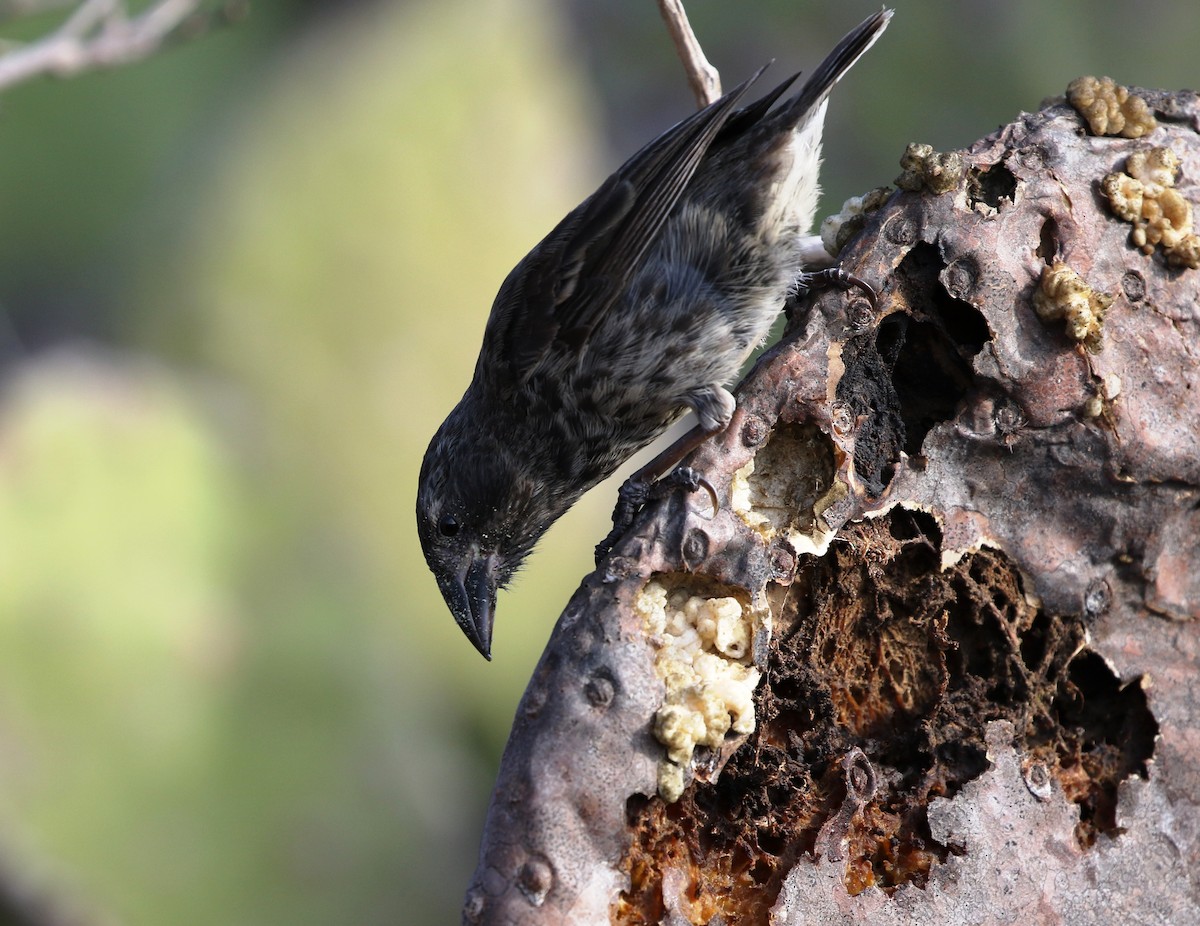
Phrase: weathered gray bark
[968,553]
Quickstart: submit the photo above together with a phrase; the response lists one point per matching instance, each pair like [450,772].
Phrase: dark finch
[642,303]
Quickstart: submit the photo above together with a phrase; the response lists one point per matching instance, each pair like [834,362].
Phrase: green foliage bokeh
[231,688]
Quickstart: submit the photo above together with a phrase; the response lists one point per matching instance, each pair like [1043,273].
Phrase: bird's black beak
[471,595]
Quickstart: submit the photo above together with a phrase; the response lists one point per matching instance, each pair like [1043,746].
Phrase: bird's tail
[792,135]
[796,111]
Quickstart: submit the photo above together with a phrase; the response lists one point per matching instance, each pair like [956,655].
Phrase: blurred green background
[240,285]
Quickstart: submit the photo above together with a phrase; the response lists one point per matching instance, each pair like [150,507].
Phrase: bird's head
[469,519]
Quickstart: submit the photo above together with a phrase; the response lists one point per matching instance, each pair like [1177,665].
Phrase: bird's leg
[649,484]
[714,407]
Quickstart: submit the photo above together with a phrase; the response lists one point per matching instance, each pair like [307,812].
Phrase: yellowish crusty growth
[1064,294]
[839,228]
[785,489]
[754,495]
[704,660]
[935,171]
[1109,108]
[739,501]
[1106,393]
[1145,195]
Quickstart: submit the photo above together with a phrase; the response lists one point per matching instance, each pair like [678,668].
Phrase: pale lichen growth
[784,490]
[1064,295]
[1145,195]
[1109,108]
[838,229]
[1155,167]
[924,168]
[743,507]
[755,501]
[671,781]
[703,657]
[1186,253]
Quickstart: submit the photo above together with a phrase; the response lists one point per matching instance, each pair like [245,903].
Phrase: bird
[642,303]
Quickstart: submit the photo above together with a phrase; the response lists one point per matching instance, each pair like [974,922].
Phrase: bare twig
[704,79]
[99,34]
[15,9]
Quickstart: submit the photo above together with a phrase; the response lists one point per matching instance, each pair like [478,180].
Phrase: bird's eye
[448,525]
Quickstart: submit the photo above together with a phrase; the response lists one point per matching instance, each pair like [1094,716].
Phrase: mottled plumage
[643,302]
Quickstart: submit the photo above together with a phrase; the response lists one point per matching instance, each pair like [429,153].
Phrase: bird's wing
[564,286]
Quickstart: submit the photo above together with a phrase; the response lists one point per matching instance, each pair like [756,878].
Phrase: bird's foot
[635,494]
[835,276]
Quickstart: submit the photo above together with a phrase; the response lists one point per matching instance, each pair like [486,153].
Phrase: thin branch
[16,9]
[99,34]
[88,17]
[704,79]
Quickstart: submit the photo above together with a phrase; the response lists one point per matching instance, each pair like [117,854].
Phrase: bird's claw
[634,494]
[836,276]
[687,478]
